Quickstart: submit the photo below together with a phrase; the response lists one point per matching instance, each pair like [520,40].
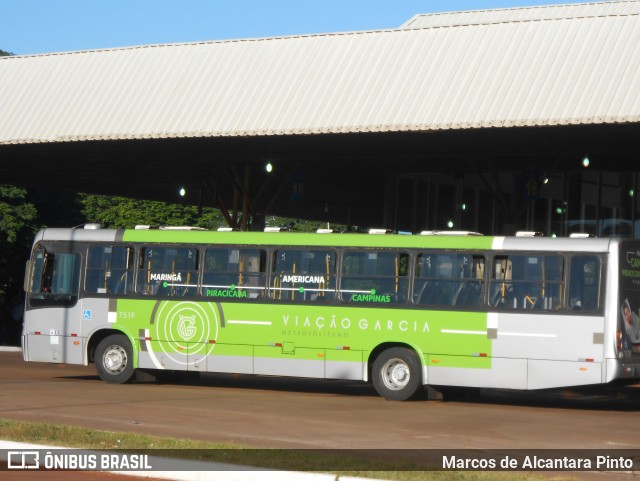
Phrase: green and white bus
[400,311]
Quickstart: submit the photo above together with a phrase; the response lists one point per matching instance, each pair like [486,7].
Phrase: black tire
[114,359]
[397,374]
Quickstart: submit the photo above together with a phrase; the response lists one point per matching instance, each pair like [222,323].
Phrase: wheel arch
[380,348]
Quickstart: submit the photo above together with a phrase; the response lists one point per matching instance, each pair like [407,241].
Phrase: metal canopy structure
[374,125]
[582,67]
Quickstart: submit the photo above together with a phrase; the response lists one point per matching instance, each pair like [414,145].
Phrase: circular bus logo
[187,327]
[184,327]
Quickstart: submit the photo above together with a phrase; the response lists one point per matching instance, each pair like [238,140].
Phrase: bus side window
[501,284]
[303,275]
[374,277]
[449,279]
[527,281]
[167,271]
[584,283]
[109,270]
[234,273]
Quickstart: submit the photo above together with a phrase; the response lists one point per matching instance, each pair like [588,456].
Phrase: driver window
[55,277]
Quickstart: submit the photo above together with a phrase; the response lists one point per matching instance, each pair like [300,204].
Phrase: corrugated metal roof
[579,70]
[523,14]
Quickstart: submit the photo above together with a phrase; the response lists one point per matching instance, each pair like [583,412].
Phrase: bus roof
[283,239]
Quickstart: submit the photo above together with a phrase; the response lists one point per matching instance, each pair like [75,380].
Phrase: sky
[43,26]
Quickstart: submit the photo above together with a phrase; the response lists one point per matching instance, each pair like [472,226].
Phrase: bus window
[449,279]
[374,276]
[234,273]
[527,281]
[55,278]
[167,271]
[109,270]
[303,275]
[584,283]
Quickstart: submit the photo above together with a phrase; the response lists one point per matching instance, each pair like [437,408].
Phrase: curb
[10,349]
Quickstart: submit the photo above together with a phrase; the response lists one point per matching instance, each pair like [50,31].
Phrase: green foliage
[302,225]
[17,215]
[4,53]
[121,212]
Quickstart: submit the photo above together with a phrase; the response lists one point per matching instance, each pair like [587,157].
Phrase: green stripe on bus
[304,239]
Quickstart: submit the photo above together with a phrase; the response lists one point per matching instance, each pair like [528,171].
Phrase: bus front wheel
[114,359]
[397,374]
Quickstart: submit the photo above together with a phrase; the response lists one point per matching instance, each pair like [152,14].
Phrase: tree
[124,213]
[121,212]
[17,214]
[18,223]
[4,53]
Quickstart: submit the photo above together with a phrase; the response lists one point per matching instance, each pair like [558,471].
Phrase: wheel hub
[396,374]
[115,359]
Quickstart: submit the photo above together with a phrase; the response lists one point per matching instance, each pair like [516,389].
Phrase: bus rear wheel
[397,374]
[114,359]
